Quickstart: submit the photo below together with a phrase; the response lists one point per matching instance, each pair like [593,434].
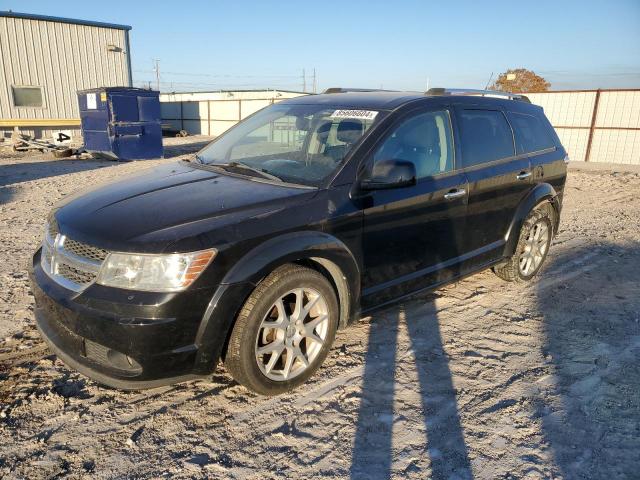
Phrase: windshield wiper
[244,166]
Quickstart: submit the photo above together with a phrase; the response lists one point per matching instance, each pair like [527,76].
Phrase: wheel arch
[317,250]
[543,193]
[332,272]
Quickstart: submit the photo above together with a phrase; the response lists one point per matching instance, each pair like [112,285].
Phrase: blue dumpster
[121,123]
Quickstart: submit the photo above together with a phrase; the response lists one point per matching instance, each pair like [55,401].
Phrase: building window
[27,96]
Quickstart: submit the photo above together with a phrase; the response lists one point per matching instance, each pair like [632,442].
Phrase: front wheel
[284,331]
[532,249]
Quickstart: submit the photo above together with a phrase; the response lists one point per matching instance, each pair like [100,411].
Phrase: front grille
[74,265]
[75,275]
[84,250]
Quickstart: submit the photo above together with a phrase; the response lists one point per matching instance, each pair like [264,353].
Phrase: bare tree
[520,80]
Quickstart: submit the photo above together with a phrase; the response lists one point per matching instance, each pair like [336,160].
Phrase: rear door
[498,180]
[412,235]
[535,137]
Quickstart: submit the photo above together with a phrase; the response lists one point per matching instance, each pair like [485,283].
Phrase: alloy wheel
[292,334]
[535,248]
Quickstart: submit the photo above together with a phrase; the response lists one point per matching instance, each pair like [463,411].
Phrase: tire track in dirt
[276,414]
[257,412]
[20,357]
[467,302]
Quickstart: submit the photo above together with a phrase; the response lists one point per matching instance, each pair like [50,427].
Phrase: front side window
[531,134]
[27,96]
[485,136]
[301,144]
[425,140]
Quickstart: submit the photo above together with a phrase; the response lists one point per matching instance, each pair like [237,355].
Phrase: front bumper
[124,339]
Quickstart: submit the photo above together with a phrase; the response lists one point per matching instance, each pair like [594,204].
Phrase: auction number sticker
[362,114]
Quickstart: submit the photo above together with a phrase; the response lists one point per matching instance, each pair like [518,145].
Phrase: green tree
[520,80]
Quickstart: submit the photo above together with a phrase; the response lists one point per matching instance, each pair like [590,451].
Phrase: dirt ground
[482,379]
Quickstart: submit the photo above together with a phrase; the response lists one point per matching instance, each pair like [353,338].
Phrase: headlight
[158,273]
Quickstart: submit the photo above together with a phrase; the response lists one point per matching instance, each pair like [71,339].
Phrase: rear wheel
[532,249]
[284,331]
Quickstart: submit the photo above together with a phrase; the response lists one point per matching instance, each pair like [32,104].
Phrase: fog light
[112,358]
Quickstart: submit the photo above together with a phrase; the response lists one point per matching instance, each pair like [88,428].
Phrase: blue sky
[394,44]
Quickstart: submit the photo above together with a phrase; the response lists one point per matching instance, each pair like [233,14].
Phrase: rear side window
[531,133]
[486,136]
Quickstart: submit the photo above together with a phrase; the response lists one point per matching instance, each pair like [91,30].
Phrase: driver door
[412,235]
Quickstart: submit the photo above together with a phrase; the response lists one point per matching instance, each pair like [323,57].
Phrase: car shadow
[590,412]
[373,454]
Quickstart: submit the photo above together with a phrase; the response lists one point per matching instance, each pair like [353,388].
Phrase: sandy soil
[482,379]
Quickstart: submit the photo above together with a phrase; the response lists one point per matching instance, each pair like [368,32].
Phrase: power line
[218,75]
[172,86]
[169,82]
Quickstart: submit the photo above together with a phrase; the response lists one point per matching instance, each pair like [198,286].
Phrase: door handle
[455,194]
[523,175]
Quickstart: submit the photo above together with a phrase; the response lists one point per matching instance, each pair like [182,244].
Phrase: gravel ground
[482,379]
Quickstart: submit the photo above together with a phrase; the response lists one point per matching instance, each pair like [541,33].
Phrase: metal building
[46,60]
[212,113]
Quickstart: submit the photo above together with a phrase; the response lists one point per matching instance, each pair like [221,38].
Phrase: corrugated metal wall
[60,57]
[212,113]
[595,126]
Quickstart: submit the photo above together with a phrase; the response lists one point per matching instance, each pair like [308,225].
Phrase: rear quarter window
[485,136]
[532,133]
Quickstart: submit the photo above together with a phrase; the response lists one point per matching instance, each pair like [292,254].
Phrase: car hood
[170,208]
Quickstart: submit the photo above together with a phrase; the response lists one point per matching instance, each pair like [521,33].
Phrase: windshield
[301,144]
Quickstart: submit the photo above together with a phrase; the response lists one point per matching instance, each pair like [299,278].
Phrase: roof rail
[345,90]
[479,93]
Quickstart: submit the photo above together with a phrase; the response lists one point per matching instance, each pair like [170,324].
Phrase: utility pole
[314,80]
[304,81]
[486,87]
[157,70]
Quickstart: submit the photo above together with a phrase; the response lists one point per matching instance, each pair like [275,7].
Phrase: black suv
[288,227]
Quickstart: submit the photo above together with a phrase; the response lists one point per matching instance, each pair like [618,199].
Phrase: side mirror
[390,174]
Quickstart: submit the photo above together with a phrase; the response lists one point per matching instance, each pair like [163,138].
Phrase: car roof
[388,100]
[376,100]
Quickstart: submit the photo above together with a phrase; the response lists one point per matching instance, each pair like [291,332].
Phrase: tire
[272,333]
[513,269]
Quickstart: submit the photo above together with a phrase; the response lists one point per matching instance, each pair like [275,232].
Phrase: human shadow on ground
[372,452]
